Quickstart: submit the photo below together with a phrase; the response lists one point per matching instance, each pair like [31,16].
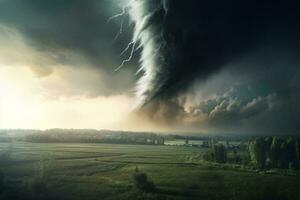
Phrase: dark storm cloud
[167,111]
[70,24]
[237,60]
[72,32]
[251,100]
[187,40]
[208,49]
[231,110]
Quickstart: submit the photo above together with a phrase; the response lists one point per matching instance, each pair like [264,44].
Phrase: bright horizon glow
[25,104]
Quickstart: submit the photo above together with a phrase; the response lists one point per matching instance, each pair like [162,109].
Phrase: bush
[142,183]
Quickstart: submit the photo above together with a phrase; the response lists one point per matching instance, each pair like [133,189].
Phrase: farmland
[104,171]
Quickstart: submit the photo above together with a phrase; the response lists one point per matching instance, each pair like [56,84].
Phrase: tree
[142,183]
[297,150]
[275,152]
[288,154]
[297,147]
[216,153]
[219,153]
[236,157]
[268,141]
[258,152]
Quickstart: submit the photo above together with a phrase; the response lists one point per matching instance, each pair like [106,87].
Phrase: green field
[105,171]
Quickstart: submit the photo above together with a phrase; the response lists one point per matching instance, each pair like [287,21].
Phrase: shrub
[142,183]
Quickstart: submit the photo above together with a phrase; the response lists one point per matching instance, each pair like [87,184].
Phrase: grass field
[105,171]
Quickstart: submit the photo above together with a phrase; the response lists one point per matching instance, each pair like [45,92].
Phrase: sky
[204,67]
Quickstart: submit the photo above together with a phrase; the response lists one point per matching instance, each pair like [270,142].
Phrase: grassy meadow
[105,171]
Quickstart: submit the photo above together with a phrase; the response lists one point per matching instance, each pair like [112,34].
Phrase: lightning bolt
[120,31]
[132,45]
[117,15]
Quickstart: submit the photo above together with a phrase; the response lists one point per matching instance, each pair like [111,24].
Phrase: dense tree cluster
[262,152]
[275,152]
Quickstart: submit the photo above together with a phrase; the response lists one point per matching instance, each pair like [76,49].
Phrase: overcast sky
[205,67]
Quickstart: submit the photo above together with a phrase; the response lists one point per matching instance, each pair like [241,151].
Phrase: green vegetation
[93,136]
[258,152]
[123,171]
[217,153]
[142,183]
[274,152]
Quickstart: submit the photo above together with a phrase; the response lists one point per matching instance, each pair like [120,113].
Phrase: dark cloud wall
[205,65]
[258,99]
[70,24]
[250,107]
[76,33]
[187,40]
[237,60]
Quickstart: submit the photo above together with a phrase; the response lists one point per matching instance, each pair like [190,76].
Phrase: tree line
[275,152]
[65,136]
[262,152]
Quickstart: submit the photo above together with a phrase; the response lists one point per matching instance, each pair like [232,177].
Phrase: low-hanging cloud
[236,101]
[215,65]
[251,47]
[72,25]
[187,40]
[52,36]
